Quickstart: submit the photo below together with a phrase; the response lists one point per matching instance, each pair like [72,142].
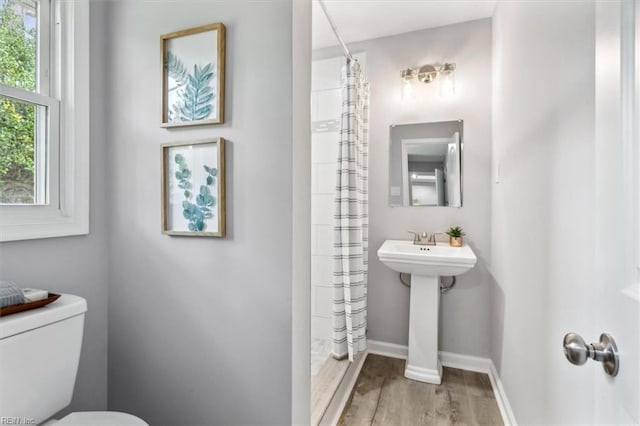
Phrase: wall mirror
[425,164]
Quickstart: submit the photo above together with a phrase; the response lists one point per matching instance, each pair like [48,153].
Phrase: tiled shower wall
[326,105]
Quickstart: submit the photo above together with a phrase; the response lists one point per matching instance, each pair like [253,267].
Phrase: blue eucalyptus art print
[194,191]
[197,214]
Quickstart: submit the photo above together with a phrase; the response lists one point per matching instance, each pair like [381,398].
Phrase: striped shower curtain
[351,228]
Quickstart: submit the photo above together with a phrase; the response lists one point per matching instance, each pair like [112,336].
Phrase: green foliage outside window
[18,46]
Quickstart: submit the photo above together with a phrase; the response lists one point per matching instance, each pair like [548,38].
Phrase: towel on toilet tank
[33,294]
[10,294]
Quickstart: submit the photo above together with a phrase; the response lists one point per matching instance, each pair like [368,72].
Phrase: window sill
[35,222]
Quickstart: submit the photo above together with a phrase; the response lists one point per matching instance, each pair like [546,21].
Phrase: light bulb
[408,92]
[448,80]
[408,95]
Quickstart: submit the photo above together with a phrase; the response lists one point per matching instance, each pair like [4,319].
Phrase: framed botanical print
[193,188]
[193,76]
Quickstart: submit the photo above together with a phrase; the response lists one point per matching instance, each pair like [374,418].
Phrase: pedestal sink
[425,264]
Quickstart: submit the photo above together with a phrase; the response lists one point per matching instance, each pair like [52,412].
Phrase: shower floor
[326,374]
[320,351]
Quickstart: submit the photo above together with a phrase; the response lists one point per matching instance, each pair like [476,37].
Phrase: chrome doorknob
[605,351]
[575,349]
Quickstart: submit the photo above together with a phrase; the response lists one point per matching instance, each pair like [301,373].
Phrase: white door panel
[615,309]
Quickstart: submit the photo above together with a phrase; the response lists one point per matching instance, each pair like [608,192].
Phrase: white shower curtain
[351,217]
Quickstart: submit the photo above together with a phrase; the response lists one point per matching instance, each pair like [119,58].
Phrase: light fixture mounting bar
[428,73]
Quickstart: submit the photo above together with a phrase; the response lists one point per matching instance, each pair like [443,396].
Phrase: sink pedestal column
[423,363]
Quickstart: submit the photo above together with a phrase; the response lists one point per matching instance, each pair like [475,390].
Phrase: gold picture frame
[193,188]
[193,76]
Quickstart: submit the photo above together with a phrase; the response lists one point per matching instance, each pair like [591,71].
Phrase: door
[439,188]
[453,171]
[617,293]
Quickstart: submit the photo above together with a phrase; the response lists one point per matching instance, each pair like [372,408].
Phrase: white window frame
[635,114]
[67,212]
[47,158]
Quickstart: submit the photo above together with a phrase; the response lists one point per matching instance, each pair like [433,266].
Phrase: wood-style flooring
[383,396]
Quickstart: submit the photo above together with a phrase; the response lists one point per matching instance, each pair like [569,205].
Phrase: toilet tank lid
[101,418]
[66,306]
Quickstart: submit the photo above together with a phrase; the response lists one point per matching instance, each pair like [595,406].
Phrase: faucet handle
[416,236]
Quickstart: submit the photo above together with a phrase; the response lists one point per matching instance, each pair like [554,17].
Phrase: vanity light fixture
[427,74]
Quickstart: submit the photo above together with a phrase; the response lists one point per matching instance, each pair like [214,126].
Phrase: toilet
[39,356]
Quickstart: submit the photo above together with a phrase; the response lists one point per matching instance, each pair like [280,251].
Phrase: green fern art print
[193,69]
[191,95]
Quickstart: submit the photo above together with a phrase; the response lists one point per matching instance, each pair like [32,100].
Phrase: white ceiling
[359,20]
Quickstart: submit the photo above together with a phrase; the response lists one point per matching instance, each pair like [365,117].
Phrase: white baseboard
[387,349]
[501,397]
[463,362]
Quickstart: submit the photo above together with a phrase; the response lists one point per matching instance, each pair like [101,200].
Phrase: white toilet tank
[39,354]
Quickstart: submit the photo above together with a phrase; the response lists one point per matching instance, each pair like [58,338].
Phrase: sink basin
[442,259]
[425,264]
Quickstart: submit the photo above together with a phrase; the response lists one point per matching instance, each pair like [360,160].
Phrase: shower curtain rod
[335,30]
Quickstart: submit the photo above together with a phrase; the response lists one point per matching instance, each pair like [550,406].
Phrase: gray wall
[78,265]
[424,166]
[200,328]
[465,314]
[543,218]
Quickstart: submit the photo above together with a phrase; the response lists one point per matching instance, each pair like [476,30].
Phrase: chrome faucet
[424,238]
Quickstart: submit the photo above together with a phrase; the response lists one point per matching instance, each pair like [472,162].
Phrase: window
[26,138]
[44,116]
